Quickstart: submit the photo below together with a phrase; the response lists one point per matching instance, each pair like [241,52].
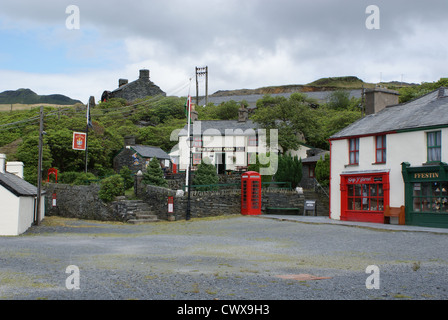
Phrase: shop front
[364,196]
[426,195]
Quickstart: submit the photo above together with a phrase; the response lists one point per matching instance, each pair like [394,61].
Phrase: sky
[81,48]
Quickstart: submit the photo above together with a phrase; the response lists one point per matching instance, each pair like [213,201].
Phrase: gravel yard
[225,258]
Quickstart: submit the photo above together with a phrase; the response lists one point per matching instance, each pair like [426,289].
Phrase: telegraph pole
[200,72]
[39,166]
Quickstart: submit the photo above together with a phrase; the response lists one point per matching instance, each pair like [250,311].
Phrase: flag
[188,108]
[89,119]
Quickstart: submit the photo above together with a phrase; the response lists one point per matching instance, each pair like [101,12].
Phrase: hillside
[323,84]
[27,96]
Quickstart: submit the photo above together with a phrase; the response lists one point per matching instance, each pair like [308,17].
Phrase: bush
[76,178]
[127,176]
[205,175]
[322,171]
[154,174]
[111,187]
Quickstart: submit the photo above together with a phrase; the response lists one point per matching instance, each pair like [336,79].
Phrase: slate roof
[17,186]
[219,127]
[150,152]
[430,110]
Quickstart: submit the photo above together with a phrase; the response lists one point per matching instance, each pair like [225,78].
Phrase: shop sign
[426,175]
[359,180]
[220,149]
[79,141]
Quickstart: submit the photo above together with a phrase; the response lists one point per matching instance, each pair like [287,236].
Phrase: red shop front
[364,196]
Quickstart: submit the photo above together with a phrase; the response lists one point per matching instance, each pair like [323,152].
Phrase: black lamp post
[188,213]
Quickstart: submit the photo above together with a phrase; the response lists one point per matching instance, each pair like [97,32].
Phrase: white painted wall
[401,147]
[9,213]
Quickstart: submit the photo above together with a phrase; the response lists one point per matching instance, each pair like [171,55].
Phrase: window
[252,141]
[197,142]
[380,149]
[434,146]
[354,151]
[251,158]
[365,197]
[430,197]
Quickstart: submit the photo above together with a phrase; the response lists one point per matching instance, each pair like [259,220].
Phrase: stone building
[139,89]
[136,157]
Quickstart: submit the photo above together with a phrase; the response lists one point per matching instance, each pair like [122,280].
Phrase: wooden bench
[271,209]
[394,212]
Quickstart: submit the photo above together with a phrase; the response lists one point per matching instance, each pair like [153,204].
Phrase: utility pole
[39,166]
[200,72]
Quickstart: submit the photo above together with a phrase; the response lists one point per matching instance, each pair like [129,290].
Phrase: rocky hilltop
[323,84]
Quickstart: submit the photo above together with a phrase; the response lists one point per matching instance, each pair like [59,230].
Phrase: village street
[226,258]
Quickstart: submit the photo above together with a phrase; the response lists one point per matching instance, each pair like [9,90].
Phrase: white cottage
[230,145]
[395,156]
[17,198]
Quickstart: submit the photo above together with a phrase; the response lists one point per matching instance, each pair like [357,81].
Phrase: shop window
[365,197]
[380,149]
[430,197]
[434,146]
[354,151]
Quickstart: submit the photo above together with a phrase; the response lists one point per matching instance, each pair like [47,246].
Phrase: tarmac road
[227,258]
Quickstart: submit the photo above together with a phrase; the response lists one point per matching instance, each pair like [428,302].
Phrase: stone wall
[80,202]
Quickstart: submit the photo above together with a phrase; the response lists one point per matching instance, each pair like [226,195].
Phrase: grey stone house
[137,157]
[139,89]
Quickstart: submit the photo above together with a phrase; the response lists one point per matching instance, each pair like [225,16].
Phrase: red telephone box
[251,193]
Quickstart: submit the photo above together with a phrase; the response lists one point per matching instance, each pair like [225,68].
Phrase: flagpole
[188,137]
[87,132]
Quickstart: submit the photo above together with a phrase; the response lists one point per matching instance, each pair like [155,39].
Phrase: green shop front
[426,195]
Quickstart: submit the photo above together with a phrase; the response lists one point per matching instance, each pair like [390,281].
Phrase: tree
[205,175]
[127,176]
[289,170]
[322,170]
[28,153]
[293,118]
[154,174]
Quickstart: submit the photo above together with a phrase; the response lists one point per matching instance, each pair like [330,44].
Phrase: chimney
[379,98]
[144,74]
[2,163]
[122,82]
[15,168]
[243,114]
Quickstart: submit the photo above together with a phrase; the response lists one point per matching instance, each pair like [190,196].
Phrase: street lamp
[188,213]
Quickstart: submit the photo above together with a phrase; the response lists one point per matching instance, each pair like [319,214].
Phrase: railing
[238,185]
[318,187]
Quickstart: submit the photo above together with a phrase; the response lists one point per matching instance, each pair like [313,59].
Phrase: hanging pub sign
[79,141]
